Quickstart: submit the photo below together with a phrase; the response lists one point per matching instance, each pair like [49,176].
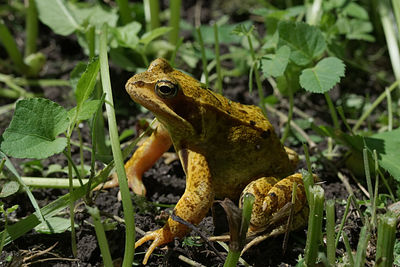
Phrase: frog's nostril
[139,83]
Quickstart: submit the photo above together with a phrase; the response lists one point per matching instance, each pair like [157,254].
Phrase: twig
[189,261]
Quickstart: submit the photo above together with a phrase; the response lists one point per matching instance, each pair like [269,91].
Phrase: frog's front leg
[192,206]
[143,159]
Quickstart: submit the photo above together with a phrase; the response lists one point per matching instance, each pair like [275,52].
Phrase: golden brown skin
[222,145]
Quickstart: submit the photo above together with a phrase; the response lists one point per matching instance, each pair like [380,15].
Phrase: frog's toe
[137,186]
[159,237]
[109,184]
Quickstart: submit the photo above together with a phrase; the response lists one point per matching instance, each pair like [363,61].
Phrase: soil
[165,183]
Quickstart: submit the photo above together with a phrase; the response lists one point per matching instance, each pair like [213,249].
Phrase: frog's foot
[159,237]
[134,183]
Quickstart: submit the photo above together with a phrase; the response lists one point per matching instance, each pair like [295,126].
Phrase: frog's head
[164,91]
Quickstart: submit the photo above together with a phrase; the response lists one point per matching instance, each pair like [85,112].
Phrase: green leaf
[34,129]
[54,225]
[323,76]
[76,74]
[387,146]
[276,65]
[305,42]
[355,10]
[86,112]
[9,188]
[56,15]
[127,35]
[86,83]
[151,35]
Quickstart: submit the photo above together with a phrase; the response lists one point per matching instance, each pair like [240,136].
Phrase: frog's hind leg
[272,198]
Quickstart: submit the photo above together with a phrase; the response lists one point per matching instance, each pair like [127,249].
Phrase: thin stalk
[346,211]
[348,249]
[330,232]
[174,20]
[154,7]
[124,11]
[314,225]
[51,182]
[314,12]
[117,154]
[256,74]
[360,257]
[217,59]
[173,55]
[388,26]
[71,202]
[344,120]
[375,199]
[396,11]
[203,56]
[90,35]
[369,182]
[386,240]
[81,151]
[12,49]
[31,26]
[101,236]
[332,111]
[377,101]
[290,115]
[390,111]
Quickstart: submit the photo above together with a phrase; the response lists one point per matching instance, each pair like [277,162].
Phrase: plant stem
[117,154]
[71,201]
[12,49]
[289,117]
[217,59]
[101,236]
[332,111]
[388,26]
[49,182]
[154,7]
[386,240]
[31,26]
[203,56]
[314,225]
[174,20]
[377,101]
[330,231]
[124,11]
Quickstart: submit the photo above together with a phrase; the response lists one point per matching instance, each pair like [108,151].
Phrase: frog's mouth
[144,94]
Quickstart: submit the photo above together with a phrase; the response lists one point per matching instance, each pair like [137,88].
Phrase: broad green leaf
[34,129]
[387,145]
[127,34]
[94,15]
[9,188]
[56,15]
[305,42]
[54,225]
[151,35]
[323,76]
[275,66]
[86,83]
[86,112]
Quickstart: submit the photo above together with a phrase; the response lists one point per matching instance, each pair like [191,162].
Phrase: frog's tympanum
[226,148]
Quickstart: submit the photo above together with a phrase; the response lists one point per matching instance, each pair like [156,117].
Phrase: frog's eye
[166,89]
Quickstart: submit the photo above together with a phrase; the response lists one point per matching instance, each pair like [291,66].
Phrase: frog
[226,149]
